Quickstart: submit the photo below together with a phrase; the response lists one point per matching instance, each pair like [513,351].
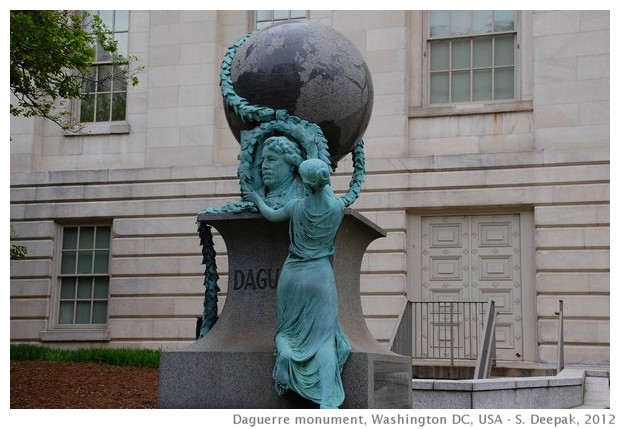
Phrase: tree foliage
[51,55]
[18,252]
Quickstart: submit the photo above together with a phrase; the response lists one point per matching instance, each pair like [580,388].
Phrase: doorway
[479,257]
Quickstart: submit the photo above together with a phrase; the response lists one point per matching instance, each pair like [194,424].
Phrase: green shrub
[122,357]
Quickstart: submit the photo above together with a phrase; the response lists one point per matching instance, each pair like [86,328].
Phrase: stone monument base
[240,380]
[231,366]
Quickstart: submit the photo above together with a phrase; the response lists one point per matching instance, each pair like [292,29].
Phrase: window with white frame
[104,92]
[472,56]
[84,276]
[265,18]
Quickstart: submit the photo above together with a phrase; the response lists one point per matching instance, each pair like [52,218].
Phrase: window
[265,18]
[84,276]
[472,56]
[104,93]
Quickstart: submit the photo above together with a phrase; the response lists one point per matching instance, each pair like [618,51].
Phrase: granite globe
[313,72]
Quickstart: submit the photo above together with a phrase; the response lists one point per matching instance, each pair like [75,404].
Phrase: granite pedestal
[231,366]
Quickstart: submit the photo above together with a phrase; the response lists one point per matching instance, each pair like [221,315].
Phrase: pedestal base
[221,380]
[239,380]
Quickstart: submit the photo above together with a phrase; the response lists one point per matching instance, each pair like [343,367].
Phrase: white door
[476,258]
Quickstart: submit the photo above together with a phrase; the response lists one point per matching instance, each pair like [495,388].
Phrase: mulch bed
[61,385]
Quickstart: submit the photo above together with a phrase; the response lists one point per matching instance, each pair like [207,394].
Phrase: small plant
[122,357]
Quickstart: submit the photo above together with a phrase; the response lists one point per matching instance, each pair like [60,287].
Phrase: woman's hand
[253,197]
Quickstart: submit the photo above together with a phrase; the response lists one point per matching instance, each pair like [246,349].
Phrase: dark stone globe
[313,72]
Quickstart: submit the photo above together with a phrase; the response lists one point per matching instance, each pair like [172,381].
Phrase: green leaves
[51,54]
[18,251]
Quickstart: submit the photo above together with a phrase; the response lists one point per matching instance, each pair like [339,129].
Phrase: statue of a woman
[311,347]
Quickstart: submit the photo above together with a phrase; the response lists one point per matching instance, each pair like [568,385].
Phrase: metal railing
[486,358]
[560,315]
[440,330]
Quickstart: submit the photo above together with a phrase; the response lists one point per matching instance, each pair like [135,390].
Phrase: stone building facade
[516,189]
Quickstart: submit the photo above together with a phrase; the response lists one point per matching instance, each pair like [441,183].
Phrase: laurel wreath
[308,135]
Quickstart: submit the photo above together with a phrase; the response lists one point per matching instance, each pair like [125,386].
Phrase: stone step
[596,390]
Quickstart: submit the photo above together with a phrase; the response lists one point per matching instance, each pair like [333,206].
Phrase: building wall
[547,156]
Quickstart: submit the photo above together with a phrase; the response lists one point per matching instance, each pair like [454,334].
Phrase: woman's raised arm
[273,215]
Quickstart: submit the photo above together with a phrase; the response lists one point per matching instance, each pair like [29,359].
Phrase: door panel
[445,265]
[496,275]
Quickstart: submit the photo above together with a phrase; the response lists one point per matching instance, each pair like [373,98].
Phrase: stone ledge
[75,335]
[604,373]
[562,391]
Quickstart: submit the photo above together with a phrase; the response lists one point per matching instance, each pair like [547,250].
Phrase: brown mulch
[39,384]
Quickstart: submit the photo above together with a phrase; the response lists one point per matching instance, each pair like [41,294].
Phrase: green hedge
[122,357]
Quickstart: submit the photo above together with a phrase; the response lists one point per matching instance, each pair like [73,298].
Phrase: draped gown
[311,347]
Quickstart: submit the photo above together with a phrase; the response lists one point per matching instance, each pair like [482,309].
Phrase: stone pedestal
[231,366]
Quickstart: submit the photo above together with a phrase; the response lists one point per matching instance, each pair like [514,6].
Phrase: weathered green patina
[311,347]
[278,153]
[269,122]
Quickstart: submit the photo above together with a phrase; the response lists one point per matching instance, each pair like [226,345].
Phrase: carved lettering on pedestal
[263,278]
